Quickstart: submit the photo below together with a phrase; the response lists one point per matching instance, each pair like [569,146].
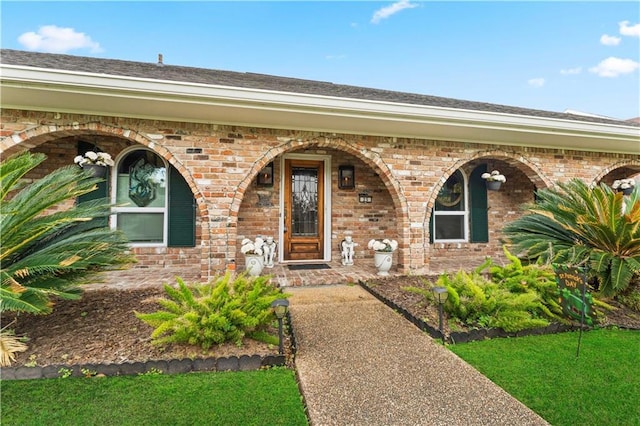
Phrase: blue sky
[583,56]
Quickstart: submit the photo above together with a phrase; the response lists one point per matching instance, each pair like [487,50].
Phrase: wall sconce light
[365,198]
[346,177]
[265,177]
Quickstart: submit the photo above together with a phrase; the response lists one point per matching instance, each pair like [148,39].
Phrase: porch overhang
[53,90]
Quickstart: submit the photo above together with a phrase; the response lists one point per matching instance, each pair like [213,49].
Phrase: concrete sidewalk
[360,363]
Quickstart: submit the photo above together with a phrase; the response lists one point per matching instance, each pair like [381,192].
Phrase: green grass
[601,386]
[264,397]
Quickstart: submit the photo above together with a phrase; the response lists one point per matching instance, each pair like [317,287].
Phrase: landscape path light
[440,295]
[280,308]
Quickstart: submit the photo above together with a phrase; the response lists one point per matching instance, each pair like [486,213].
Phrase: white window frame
[465,213]
[135,209]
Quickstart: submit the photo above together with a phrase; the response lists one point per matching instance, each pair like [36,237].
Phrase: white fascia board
[174,93]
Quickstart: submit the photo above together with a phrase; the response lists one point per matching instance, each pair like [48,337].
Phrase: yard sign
[576,301]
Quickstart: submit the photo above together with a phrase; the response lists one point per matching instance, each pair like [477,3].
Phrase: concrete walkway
[360,363]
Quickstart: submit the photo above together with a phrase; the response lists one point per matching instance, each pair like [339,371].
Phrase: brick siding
[403,176]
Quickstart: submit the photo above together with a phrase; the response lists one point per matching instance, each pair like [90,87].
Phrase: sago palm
[577,225]
[48,253]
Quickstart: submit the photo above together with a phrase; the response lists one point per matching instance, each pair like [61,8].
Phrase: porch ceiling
[37,89]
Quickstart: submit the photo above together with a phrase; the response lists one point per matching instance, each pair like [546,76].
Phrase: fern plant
[516,297]
[223,310]
[477,301]
[520,278]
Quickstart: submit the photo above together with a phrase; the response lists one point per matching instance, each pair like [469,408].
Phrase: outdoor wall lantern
[440,295]
[346,177]
[365,198]
[265,177]
[280,307]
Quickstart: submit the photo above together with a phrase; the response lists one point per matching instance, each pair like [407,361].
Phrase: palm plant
[48,253]
[578,225]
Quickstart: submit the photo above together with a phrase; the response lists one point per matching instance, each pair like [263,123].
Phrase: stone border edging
[173,366]
[471,335]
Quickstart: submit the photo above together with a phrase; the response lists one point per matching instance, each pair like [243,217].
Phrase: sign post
[576,301]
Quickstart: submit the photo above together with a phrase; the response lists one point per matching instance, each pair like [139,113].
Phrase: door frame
[327,206]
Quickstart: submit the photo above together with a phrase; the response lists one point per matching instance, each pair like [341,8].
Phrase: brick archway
[617,170]
[476,251]
[38,135]
[370,158]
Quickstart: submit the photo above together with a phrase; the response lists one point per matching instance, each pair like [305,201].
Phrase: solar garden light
[280,307]
[440,294]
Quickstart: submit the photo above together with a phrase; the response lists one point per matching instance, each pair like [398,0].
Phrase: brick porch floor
[362,269]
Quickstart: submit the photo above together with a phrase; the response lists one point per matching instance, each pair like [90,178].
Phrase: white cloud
[571,71]
[536,82]
[387,11]
[632,31]
[335,57]
[608,40]
[613,67]
[54,39]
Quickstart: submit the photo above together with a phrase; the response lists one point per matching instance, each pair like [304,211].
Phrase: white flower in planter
[494,176]
[383,245]
[252,247]
[623,184]
[97,158]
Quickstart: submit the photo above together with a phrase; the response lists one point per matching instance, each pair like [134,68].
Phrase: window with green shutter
[460,212]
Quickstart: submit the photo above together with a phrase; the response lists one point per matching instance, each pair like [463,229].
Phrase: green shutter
[479,206]
[182,212]
[431,226]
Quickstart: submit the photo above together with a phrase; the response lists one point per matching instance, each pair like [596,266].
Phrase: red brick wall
[403,177]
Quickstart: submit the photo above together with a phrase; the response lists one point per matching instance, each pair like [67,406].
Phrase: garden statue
[269,252]
[348,249]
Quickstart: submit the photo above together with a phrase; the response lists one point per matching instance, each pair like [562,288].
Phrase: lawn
[264,397]
[598,386]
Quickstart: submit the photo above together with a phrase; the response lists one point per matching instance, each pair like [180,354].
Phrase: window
[141,197]
[450,215]
[460,212]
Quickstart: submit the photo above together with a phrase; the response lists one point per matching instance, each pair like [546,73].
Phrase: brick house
[306,162]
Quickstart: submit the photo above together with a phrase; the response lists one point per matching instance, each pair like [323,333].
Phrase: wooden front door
[303,210]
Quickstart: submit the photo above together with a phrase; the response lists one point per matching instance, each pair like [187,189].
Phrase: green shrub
[631,299]
[516,297]
[223,310]
[576,224]
[48,253]
[519,278]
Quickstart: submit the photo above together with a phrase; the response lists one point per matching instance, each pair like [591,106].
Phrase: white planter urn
[254,264]
[383,261]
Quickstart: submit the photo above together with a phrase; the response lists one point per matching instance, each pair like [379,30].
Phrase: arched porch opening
[61,143]
[259,210]
[482,212]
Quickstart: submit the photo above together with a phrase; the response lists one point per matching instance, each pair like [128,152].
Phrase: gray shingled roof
[266,82]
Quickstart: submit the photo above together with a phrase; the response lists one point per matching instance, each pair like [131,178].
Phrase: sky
[582,56]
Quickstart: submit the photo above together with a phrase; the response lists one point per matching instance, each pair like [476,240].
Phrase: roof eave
[101,94]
